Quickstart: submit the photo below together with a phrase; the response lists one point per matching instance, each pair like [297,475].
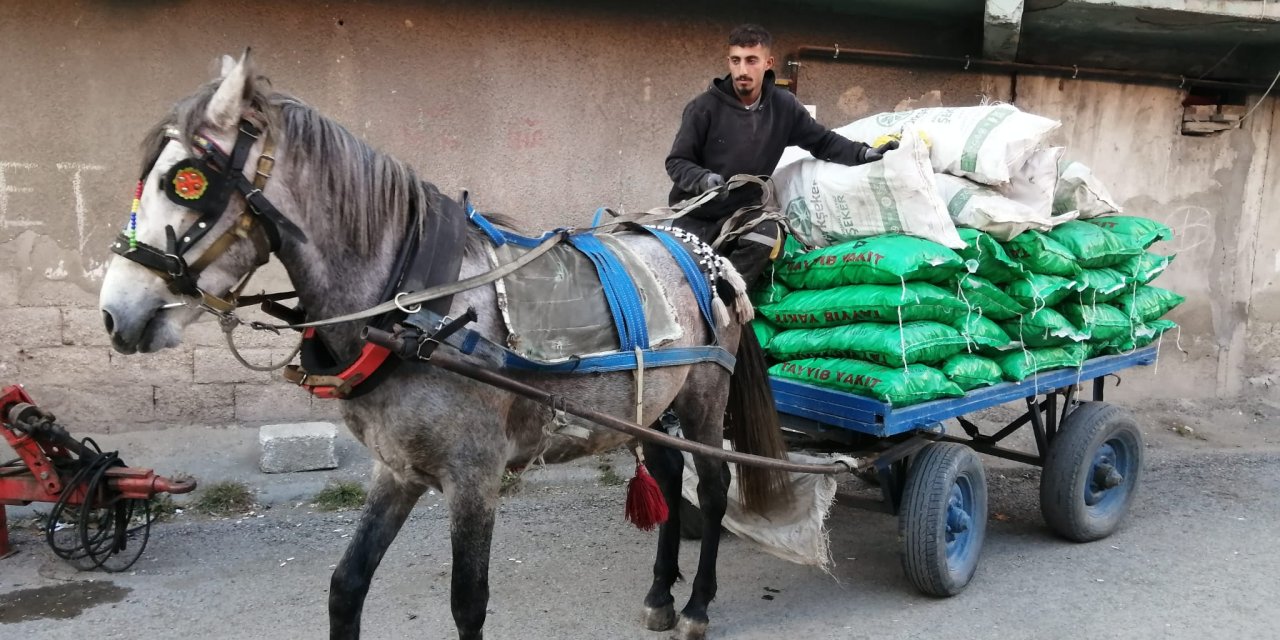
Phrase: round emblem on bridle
[190,183]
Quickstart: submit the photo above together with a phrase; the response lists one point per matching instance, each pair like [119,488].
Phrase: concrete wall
[544,110]
[1217,193]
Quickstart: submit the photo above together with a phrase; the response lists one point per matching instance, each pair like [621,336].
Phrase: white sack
[982,143]
[1080,190]
[1035,182]
[827,203]
[977,206]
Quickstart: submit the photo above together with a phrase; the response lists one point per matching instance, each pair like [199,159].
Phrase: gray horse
[341,211]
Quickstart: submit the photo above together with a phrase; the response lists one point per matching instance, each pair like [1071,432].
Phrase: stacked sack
[1015,261]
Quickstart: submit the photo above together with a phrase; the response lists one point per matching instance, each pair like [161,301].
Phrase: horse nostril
[109,322]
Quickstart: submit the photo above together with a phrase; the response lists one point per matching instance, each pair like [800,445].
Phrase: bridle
[204,183]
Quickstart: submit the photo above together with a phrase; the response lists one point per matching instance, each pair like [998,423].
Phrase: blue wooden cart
[1091,453]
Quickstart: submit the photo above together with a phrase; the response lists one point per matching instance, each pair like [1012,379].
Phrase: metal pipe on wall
[977,65]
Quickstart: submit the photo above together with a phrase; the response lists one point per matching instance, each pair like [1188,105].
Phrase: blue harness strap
[689,265]
[626,360]
[624,303]
[620,292]
[495,235]
[470,342]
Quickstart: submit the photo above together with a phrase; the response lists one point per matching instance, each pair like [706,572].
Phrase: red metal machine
[102,514]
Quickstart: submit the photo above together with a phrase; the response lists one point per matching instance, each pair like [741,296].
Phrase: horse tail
[751,423]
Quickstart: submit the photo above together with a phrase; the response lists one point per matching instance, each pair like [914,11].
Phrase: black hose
[102,531]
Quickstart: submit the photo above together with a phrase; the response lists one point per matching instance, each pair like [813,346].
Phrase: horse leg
[666,465]
[713,499]
[473,499]
[385,511]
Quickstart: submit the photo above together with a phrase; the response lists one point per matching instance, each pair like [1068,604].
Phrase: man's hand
[711,181]
[872,154]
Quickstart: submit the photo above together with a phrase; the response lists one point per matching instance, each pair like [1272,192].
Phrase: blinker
[193,184]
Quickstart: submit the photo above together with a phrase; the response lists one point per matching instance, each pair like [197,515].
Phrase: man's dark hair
[750,35]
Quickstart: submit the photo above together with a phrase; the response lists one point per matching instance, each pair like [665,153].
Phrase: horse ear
[228,102]
[227,64]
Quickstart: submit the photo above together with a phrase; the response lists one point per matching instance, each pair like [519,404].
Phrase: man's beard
[741,90]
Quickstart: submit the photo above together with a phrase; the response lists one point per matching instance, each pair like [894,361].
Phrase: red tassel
[645,506]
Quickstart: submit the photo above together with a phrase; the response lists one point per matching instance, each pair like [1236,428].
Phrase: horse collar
[431,255]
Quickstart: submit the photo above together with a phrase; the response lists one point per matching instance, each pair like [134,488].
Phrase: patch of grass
[162,508]
[341,496]
[609,476]
[224,498]
[512,482]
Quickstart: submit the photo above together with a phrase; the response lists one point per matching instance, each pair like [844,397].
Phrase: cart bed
[876,418]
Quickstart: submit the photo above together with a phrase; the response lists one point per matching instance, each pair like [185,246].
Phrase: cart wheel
[943,520]
[1091,472]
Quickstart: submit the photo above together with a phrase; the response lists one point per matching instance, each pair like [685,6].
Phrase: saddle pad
[555,307]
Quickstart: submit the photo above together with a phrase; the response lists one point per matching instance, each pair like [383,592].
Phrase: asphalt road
[1195,559]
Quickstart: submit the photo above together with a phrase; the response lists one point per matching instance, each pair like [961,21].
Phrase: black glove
[872,154]
[711,181]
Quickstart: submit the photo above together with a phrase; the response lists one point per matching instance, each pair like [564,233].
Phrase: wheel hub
[1105,475]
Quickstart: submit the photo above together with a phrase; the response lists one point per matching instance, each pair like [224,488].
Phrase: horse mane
[366,191]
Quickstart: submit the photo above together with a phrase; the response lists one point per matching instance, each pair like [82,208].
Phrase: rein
[560,404]
[205,183]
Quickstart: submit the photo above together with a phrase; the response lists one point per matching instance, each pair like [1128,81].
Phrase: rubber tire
[691,520]
[922,520]
[1070,459]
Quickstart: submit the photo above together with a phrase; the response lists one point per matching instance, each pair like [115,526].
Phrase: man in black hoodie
[740,125]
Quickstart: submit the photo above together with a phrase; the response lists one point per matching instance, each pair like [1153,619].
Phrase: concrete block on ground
[299,446]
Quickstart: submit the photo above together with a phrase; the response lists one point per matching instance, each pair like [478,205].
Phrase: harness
[623,300]
[423,276]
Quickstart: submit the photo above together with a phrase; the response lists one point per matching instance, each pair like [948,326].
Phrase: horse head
[202,217]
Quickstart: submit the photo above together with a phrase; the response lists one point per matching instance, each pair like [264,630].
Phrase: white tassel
[741,303]
[746,310]
[720,312]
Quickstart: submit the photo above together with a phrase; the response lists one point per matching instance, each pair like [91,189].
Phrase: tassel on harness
[646,507]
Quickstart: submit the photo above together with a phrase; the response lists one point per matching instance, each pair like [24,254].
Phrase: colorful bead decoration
[132,231]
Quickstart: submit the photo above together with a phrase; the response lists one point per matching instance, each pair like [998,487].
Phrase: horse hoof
[690,629]
[660,618]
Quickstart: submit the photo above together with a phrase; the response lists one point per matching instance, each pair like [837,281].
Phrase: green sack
[1143,232]
[883,259]
[1101,321]
[985,257]
[1141,336]
[770,291]
[983,297]
[792,247]
[1097,348]
[898,386]
[1022,364]
[1039,253]
[864,303]
[982,333]
[970,372]
[765,331]
[1093,246]
[1044,328]
[1145,267]
[1101,285]
[1148,303]
[1036,290]
[886,344]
